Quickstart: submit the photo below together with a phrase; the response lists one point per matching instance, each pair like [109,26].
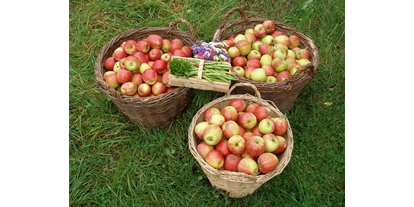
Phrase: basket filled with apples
[240,141]
[132,69]
[278,59]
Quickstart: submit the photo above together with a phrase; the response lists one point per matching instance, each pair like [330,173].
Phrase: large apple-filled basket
[287,59]
[240,141]
[132,73]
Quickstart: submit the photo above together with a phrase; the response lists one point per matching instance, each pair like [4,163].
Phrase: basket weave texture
[237,184]
[150,112]
[283,94]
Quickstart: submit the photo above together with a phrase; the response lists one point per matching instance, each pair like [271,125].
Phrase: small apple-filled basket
[283,93]
[234,183]
[150,111]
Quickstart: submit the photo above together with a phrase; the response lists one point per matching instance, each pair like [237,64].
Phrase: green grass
[113,162]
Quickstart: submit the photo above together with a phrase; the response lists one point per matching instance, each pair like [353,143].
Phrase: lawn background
[116,163]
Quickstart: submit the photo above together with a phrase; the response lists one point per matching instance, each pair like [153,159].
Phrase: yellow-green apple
[271,142]
[266,126]
[281,125]
[282,39]
[294,41]
[290,54]
[252,107]
[255,146]
[253,54]
[267,162]
[203,148]
[155,41]
[143,67]
[269,70]
[267,39]
[239,61]
[276,33]
[143,46]
[137,79]
[212,134]
[109,63]
[123,76]
[215,159]
[294,69]
[271,79]
[256,131]
[229,113]
[290,61]
[236,144]
[244,47]
[279,65]
[165,79]
[141,57]
[249,30]
[128,88]
[233,52]
[248,71]
[248,166]
[269,26]
[261,113]
[247,120]
[117,66]
[149,76]
[282,76]
[209,112]
[239,37]
[239,70]
[280,46]
[130,46]
[158,88]
[154,54]
[254,63]
[166,57]
[110,79]
[160,66]
[279,53]
[303,62]
[222,147]
[259,30]
[144,90]
[238,103]
[282,145]
[266,59]
[250,37]
[132,63]
[231,161]
[187,50]
[256,45]
[166,43]
[199,129]
[217,119]
[119,53]
[230,128]
[258,75]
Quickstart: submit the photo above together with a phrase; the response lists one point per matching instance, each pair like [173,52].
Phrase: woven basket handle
[223,26]
[173,26]
[257,93]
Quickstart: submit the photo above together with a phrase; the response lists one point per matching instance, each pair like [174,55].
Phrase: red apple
[254,63]
[160,66]
[239,61]
[238,103]
[179,53]
[199,129]
[252,107]
[143,46]
[130,46]
[261,112]
[276,33]
[149,76]
[304,54]
[245,154]
[230,128]
[247,120]
[265,49]
[267,162]
[187,50]
[170,88]
[124,76]
[144,89]
[155,41]
[203,148]
[241,130]
[248,166]
[269,26]
[137,79]
[141,57]
[109,63]
[266,126]
[215,159]
[158,88]
[255,146]
[119,53]
[229,113]
[110,79]
[209,112]
[154,54]
[282,145]
[231,161]
[281,126]
[122,63]
[282,39]
[217,119]
[223,148]
[176,45]
[248,135]
[164,78]
[236,144]
[128,88]
[269,70]
[282,76]
[271,142]
[212,134]
[256,131]
[250,37]
[294,41]
[228,43]
[259,31]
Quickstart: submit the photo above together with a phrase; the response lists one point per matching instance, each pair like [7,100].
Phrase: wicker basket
[149,112]
[237,184]
[283,94]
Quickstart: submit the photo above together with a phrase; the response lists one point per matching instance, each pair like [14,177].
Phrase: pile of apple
[264,54]
[139,68]
[241,137]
